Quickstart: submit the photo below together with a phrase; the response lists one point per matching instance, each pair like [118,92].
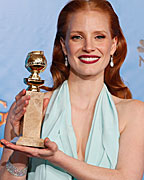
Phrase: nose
[88,45]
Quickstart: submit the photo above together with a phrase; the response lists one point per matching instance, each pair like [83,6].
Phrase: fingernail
[47,140]
[26,102]
[24,91]
[1,142]
[4,142]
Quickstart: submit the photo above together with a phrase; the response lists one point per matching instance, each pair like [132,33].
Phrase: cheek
[69,49]
[73,48]
[107,49]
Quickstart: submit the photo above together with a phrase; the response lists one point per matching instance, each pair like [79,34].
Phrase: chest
[82,122]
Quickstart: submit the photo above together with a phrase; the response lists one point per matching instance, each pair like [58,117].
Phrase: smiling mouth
[89,59]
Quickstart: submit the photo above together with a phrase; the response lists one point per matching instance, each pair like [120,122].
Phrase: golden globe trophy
[31,130]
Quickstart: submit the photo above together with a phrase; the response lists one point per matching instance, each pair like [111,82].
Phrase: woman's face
[88,43]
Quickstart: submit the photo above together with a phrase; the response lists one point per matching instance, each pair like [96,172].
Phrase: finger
[45,103]
[12,146]
[21,106]
[23,100]
[16,123]
[19,115]
[19,95]
[50,145]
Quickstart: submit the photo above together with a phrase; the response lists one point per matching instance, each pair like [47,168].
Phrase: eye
[76,37]
[100,37]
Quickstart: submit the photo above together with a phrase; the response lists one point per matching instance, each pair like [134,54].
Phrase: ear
[114,45]
[62,42]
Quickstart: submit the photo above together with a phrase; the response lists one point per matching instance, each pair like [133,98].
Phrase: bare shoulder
[130,107]
[130,112]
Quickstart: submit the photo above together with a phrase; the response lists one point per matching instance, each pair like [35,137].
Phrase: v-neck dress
[103,141]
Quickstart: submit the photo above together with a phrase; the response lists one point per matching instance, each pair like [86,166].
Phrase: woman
[93,130]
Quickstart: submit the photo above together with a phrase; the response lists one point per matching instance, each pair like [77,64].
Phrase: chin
[89,75]
[86,73]
[90,72]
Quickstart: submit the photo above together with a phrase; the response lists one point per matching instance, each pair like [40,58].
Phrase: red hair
[112,75]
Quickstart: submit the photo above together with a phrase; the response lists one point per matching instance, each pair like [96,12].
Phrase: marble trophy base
[32,121]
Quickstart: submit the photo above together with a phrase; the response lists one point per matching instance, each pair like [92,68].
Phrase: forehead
[88,21]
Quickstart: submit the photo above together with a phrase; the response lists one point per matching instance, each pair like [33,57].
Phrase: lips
[89,59]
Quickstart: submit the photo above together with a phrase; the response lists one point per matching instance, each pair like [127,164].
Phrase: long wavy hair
[112,78]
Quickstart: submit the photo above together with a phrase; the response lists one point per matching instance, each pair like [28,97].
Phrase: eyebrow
[95,32]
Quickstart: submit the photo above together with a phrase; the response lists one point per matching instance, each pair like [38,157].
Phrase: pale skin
[84,37]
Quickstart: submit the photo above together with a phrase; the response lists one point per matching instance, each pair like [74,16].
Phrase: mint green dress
[103,142]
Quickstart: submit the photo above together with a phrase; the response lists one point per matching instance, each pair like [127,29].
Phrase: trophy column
[31,130]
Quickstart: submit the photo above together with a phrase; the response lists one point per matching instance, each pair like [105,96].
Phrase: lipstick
[89,59]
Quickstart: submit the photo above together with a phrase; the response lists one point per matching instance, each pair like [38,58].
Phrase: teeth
[88,59]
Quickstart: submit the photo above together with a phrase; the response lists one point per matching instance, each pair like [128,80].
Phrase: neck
[85,91]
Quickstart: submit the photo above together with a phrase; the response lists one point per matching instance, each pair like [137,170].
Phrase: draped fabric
[103,141]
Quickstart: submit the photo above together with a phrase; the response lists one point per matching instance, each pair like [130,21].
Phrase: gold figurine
[35,63]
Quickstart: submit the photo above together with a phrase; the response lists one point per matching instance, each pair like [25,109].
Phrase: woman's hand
[17,111]
[48,153]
